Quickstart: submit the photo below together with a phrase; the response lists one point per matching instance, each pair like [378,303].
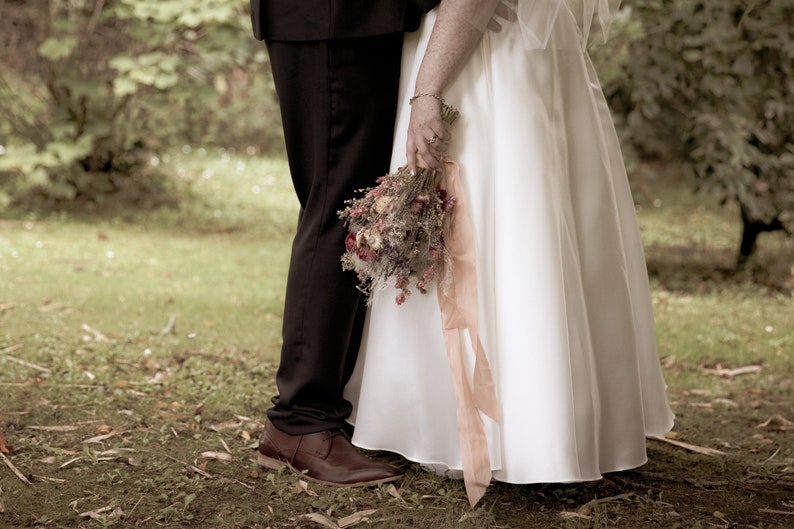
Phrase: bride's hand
[428,136]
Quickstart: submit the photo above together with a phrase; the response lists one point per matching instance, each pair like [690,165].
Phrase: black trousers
[338,103]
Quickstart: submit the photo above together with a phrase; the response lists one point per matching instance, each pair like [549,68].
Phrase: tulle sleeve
[537,18]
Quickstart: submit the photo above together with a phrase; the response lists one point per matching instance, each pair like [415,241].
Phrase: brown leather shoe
[325,457]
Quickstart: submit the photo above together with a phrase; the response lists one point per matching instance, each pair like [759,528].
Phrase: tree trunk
[751,229]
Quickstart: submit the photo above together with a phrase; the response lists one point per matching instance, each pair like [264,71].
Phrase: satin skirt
[564,307]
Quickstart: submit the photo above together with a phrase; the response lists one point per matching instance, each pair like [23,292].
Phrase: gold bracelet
[426,94]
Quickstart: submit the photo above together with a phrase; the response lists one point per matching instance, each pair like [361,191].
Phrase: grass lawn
[138,350]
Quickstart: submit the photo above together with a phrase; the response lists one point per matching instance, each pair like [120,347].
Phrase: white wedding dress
[564,307]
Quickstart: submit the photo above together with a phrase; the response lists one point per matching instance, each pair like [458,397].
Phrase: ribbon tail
[471,431]
[457,301]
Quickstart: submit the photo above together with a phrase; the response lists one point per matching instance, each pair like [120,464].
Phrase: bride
[562,330]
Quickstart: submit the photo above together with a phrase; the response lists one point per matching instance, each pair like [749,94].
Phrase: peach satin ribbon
[458,303]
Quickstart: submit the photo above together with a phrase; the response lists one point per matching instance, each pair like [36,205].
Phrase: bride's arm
[457,30]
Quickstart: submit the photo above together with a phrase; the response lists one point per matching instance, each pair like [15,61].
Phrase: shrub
[91,88]
[713,83]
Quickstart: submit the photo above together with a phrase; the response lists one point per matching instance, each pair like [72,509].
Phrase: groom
[336,67]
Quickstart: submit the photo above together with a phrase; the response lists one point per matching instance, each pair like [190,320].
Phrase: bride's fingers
[410,160]
[430,157]
[421,155]
[411,152]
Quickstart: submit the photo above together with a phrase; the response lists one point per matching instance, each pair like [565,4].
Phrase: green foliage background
[712,83]
[92,90]
[89,89]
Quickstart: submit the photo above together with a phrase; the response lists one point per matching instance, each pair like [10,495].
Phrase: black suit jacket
[306,20]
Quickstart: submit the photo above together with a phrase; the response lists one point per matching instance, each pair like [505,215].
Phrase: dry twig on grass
[14,469]
[692,448]
[27,364]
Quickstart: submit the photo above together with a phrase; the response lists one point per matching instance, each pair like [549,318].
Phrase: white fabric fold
[537,19]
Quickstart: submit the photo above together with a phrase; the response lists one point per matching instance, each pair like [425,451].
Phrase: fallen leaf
[588,507]
[220,456]
[97,514]
[469,515]
[170,327]
[191,467]
[98,336]
[568,515]
[303,486]
[100,438]
[115,452]
[785,424]
[103,429]
[726,402]
[150,364]
[158,378]
[168,415]
[50,480]
[76,459]
[320,519]
[3,448]
[226,425]
[355,518]
[49,306]
[394,493]
[49,460]
[53,428]
[730,373]
[704,405]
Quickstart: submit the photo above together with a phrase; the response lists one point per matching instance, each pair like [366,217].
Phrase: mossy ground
[137,355]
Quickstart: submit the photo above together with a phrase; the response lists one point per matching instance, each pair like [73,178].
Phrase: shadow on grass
[207,191]
[696,270]
[692,242]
